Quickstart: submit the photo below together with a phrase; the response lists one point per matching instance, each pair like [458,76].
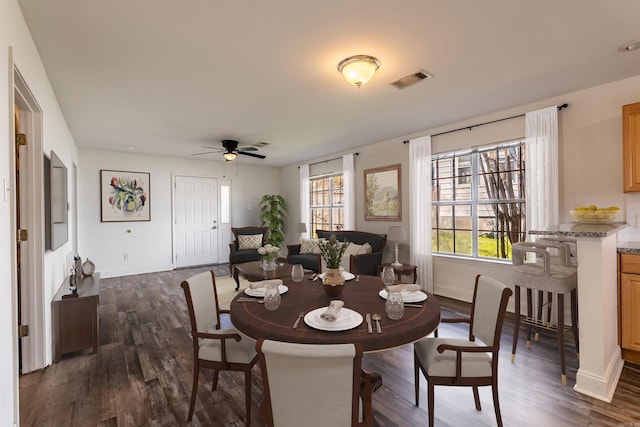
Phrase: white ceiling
[168,76]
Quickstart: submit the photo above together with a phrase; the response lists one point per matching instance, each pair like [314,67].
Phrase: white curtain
[349,202]
[541,139]
[304,198]
[420,208]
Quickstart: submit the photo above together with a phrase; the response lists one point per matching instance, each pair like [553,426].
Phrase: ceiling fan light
[358,69]
[229,156]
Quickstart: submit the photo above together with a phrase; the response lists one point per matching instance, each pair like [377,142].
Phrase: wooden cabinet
[629,307]
[75,320]
[631,147]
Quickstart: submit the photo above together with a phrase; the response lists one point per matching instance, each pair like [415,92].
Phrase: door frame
[32,194]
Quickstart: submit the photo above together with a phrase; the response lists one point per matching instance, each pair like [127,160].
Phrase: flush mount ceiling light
[630,46]
[358,69]
[229,156]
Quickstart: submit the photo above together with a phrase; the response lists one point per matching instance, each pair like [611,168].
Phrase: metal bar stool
[543,275]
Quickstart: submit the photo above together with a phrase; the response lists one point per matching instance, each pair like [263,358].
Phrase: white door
[196,221]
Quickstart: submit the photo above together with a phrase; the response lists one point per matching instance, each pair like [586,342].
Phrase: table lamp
[396,234]
[301,228]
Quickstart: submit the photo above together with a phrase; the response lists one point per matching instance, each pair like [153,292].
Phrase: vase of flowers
[332,251]
[268,254]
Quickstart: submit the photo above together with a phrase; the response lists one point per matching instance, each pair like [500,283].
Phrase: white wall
[590,170]
[149,243]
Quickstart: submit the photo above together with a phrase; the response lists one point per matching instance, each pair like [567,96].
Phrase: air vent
[410,79]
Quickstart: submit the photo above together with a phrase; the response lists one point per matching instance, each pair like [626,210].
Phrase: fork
[300,316]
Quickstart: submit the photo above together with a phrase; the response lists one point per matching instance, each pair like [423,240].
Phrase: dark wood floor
[142,375]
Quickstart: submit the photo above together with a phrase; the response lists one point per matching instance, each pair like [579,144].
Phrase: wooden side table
[407,269]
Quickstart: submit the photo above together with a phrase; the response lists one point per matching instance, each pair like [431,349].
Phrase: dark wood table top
[255,321]
[253,273]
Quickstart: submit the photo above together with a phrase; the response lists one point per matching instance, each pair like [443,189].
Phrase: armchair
[245,247]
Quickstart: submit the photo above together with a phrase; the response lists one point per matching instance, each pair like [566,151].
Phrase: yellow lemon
[614,208]
[592,207]
[581,208]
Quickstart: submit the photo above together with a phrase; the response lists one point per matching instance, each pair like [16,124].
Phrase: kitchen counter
[629,248]
[600,354]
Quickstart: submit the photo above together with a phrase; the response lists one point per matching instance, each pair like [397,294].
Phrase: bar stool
[543,275]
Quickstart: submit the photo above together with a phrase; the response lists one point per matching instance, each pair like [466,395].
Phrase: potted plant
[331,252]
[273,211]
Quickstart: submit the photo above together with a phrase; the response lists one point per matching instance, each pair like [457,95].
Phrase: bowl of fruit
[595,215]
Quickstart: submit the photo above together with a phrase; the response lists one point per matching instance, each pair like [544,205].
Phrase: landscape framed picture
[382,194]
[124,196]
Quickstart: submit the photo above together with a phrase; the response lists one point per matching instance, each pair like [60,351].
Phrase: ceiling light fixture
[230,156]
[630,46]
[358,69]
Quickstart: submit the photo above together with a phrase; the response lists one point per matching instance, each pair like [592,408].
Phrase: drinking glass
[388,276]
[394,306]
[272,298]
[297,273]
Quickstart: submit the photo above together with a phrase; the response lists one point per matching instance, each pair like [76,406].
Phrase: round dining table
[360,294]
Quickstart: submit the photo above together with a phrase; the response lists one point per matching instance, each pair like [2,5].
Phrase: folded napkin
[332,311]
[265,283]
[403,288]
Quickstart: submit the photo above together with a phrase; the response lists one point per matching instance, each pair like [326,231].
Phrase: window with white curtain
[327,205]
[478,200]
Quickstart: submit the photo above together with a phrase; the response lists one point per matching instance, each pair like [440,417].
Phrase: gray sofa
[359,264]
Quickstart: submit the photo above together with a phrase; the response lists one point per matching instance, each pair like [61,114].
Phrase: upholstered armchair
[245,247]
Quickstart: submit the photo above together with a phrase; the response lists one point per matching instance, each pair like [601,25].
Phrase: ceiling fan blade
[248,149]
[204,152]
[258,156]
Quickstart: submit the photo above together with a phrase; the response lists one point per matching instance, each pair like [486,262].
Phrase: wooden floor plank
[143,370]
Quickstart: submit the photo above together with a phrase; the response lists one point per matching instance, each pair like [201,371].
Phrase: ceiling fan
[230,150]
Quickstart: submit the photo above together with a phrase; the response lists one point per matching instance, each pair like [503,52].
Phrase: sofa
[307,254]
[245,247]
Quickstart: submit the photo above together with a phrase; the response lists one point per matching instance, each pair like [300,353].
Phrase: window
[478,201]
[327,212]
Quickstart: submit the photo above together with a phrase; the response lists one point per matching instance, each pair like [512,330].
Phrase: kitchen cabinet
[629,307]
[631,147]
[75,319]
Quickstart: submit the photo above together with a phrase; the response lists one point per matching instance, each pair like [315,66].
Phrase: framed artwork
[382,194]
[124,196]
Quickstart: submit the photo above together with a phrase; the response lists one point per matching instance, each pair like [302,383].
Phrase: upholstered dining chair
[313,385]
[215,348]
[545,275]
[466,362]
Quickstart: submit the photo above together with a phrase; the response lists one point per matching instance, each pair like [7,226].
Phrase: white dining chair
[215,348]
[314,385]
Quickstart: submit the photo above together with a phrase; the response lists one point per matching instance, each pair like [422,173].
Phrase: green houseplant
[273,212]
[331,252]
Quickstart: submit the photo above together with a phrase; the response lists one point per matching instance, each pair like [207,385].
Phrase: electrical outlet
[126,256]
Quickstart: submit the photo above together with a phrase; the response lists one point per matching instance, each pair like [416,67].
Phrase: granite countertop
[582,230]
[629,248]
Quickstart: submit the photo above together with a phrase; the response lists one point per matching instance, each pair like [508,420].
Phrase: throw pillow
[249,241]
[354,249]
[310,246]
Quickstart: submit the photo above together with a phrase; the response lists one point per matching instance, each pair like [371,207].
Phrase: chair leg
[476,397]
[560,310]
[539,315]
[430,404]
[214,383]
[496,402]
[516,327]
[529,315]
[416,378]
[234,272]
[194,389]
[574,320]
[247,394]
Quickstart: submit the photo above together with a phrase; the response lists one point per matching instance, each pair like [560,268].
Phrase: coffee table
[253,273]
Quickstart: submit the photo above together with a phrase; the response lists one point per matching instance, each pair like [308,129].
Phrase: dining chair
[466,362]
[545,275]
[215,348]
[314,385]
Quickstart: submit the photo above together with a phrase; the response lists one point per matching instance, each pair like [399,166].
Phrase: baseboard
[118,272]
[601,387]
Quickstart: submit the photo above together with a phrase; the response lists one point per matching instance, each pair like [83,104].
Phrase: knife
[368,317]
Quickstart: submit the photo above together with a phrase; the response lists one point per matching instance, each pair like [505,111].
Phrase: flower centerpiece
[331,252]
[268,254]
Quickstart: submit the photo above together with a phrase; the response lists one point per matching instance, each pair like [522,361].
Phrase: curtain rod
[328,160]
[560,107]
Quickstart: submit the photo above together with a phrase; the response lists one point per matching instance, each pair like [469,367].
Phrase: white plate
[345,274]
[259,292]
[347,319]
[415,296]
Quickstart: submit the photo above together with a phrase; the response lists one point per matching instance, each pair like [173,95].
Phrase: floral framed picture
[124,196]
[382,194]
